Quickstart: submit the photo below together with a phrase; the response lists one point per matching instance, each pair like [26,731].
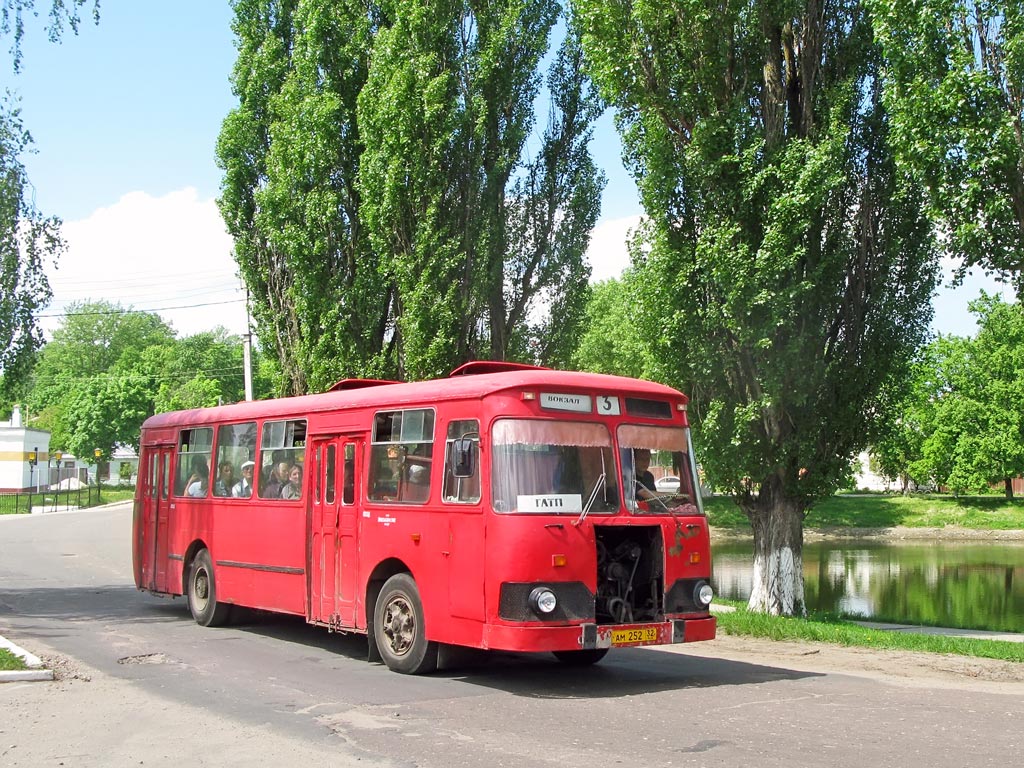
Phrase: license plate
[634,636]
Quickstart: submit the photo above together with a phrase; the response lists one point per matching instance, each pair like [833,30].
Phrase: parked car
[668,484]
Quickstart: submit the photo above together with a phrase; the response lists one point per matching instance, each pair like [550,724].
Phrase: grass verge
[890,511]
[829,629]
[9,662]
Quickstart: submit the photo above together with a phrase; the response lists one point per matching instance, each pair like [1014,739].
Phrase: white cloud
[607,254]
[169,255]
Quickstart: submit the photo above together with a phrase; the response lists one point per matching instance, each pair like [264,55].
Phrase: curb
[35,671]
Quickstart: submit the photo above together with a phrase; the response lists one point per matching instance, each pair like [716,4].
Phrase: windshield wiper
[590,501]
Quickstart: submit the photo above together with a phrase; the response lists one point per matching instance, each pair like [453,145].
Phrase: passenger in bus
[293,488]
[643,479]
[243,488]
[418,487]
[225,479]
[276,481]
[198,480]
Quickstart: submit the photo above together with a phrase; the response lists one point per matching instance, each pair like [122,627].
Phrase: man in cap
[243,488]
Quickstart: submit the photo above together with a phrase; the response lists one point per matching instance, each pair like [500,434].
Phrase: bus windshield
[552,467]
[657,471]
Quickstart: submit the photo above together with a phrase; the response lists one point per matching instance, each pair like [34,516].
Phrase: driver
[644,480]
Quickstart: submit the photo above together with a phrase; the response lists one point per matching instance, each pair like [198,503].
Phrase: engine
[630,574]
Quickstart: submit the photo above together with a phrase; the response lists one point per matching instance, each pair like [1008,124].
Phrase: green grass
[890,511]
[8,661]
[829,629]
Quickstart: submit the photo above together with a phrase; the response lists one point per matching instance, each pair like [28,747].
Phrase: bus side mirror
[463,457]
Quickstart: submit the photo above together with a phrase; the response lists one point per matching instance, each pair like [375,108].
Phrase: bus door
[333,532]
[154,519]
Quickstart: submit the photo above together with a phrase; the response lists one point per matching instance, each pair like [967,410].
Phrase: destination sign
[550,502]
[554,401]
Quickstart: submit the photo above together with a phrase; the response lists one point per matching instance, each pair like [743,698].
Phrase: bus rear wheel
[202,593]
[399,628]
[581,658]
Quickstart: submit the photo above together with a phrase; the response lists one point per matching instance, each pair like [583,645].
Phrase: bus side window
[282,449]
[195,447]
[460,488]
[401,453]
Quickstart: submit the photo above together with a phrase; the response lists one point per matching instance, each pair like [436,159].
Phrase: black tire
[581,658]
[202,593]
[399,628]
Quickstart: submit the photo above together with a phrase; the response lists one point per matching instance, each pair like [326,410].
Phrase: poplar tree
[390,215]
[790,270]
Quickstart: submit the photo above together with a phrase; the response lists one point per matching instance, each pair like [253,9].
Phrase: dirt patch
[896,667]
[65,669]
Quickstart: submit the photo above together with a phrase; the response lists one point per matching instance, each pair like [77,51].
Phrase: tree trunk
[1008,487]
[778,581]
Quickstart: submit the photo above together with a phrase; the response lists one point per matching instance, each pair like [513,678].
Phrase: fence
[27,502]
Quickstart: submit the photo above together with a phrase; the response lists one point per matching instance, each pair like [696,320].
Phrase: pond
[948,584]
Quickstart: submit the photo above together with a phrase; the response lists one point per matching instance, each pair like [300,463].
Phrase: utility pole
[247,350]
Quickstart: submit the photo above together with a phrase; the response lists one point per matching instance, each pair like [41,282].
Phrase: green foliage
[9,662]
[954,88]
[388,220]
[789,272]
[28,241]
[962,424]
[612,342]
[62,12]
[107,369]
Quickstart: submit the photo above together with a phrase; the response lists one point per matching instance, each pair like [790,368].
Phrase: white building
[24,455]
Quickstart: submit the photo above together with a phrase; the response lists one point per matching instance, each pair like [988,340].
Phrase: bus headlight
[542,600]
[703,594]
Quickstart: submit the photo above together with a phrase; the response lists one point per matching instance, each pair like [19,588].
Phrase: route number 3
[607,405]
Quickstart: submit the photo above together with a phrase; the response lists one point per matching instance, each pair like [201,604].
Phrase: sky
[125,118]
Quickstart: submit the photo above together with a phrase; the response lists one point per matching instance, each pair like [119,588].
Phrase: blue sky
[125,117]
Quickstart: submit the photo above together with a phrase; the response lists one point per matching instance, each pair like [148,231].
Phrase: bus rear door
[154,534]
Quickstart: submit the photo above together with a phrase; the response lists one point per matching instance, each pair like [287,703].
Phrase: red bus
[504,507]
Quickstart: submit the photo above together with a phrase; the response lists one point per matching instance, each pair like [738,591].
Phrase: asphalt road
[138,683]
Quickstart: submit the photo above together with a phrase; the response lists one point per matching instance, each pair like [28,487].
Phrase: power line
[139,311]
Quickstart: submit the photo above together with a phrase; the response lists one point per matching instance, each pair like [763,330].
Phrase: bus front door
[332,533]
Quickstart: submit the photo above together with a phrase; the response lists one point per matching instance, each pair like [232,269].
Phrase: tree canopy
[790,269]
[108,368]
[953,84]
[388,217]
[962,424]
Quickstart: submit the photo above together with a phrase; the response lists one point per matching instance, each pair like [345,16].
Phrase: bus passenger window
[282,459]
[193,462]
[462,490]
[236,449]
[401,456]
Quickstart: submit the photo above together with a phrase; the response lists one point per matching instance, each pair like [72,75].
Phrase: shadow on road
[623,672]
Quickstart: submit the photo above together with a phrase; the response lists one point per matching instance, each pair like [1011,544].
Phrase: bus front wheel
[399,628]
[202,593]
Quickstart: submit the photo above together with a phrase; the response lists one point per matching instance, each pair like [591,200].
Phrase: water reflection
[951,584]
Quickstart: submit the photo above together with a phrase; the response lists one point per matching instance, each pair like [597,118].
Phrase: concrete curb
[35,671]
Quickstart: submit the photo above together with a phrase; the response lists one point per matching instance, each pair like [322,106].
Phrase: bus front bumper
[590,636]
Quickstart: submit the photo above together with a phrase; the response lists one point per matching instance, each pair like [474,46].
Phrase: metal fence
[27,502]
